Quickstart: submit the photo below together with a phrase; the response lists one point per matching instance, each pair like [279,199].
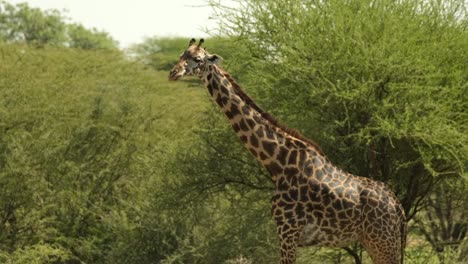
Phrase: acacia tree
[83,38]
[21,23]
[24,24]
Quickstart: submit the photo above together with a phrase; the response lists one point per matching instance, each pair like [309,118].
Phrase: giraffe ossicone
[315,203]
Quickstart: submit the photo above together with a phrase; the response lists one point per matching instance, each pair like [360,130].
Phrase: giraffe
[314,203]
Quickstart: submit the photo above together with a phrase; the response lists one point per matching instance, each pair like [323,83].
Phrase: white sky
[129,21]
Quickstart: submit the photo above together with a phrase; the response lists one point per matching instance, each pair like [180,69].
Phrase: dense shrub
[82,134]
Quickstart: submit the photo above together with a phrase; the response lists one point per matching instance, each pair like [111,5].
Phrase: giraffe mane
[287,130]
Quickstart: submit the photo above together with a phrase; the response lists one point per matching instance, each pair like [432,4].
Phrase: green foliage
[80,37]
[36,254]
[23,24]
[78,146]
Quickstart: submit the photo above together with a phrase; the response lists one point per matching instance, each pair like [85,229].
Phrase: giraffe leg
[288,250]
[380,255]
[385,249]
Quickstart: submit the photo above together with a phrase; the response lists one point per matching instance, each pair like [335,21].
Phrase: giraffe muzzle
[174,75]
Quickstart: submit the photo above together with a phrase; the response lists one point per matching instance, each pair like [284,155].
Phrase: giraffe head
[193,60]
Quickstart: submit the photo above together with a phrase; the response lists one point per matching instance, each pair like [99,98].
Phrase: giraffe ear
[213,58]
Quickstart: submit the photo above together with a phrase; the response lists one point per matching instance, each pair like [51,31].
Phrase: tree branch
[356,257]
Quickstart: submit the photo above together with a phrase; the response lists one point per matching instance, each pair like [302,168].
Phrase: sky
[130,21]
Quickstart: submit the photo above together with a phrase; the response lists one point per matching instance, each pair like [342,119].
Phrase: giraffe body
[315,203]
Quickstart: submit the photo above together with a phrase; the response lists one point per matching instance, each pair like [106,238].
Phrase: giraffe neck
[274,146]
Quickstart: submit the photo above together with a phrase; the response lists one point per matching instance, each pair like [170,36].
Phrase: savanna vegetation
[102,160]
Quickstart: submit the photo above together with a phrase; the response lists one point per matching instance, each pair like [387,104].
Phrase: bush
[83,137]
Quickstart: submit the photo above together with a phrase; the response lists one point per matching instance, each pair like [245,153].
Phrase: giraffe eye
[196,59]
